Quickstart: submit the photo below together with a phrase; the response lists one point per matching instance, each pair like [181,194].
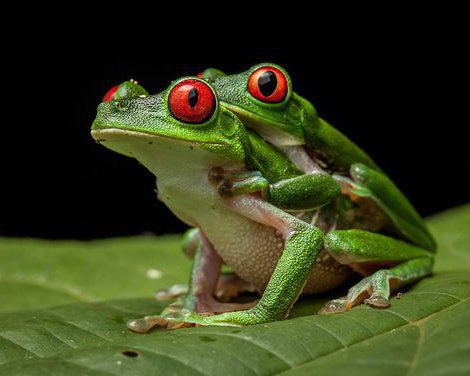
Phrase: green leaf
[102,284]
[41,273]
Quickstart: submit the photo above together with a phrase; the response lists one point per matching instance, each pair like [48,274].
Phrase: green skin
[129,89]
[294,122]
[246,179]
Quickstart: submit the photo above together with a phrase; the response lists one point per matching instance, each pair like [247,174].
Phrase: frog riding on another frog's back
[240,187]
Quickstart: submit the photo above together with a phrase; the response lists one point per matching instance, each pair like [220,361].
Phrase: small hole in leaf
[130,353]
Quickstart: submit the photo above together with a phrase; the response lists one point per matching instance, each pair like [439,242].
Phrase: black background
[401,97]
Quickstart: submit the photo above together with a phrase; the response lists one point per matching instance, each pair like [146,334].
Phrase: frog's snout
[104,114]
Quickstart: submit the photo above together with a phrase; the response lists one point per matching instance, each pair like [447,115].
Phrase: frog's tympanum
[286,201]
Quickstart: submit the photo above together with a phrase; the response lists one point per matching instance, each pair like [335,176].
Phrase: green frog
[262,97]
[248,201]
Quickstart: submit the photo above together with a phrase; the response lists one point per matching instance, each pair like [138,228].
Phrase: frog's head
[183,125]
[263,98]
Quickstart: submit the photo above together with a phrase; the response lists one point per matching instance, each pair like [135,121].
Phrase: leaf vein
[434,293]
[18,345]
[257,344]
[153,351]
[65,321]
[60,339]
[417,322]
[337,338]
[417,352]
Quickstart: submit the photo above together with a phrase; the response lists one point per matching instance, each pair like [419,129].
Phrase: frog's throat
[99,135]
[272,131]
[163,156]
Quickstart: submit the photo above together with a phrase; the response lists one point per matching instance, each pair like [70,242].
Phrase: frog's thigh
[363,248]
[204,277]
[189,244]
[386,194]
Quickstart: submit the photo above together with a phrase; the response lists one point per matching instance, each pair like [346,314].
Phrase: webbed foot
[373,290]
[173,317]
[335,306]
[176,316]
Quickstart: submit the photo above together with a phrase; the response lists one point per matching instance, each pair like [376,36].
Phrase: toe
[334,306]
[144,325]
[377,301]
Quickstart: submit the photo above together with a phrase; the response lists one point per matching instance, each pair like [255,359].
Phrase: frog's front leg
[303,192]
[303,243]
[199,297]
[361,250]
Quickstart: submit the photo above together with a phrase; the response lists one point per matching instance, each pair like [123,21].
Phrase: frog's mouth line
[99,135]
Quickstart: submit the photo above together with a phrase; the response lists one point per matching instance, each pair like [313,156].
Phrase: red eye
[109,96]
[191,101]
[268,84]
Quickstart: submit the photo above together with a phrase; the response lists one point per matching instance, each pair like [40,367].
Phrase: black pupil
[267,83]
[193,96]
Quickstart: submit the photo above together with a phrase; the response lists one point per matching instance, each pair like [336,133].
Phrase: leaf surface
[65,305]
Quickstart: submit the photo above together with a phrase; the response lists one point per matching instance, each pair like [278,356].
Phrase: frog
[212,174]
[263,99]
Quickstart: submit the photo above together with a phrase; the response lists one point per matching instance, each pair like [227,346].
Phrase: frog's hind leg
[204,281]
[199,296]
[229,285]
[361,250]
[189,244]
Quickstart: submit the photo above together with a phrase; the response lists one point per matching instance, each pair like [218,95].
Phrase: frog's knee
[359,172]
[334,242]
[308,238]
[337,244]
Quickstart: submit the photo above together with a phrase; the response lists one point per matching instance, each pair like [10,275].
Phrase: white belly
[250,249]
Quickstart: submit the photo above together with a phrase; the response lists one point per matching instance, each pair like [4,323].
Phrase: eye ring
[192,101]
[268,84]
